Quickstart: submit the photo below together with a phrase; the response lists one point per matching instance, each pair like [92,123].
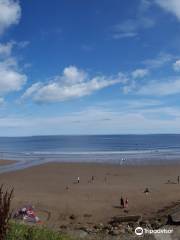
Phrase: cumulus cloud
[73,83]
[172,6]
[176,66]
[11,78]
[160,88]
[10,13]
[140,73]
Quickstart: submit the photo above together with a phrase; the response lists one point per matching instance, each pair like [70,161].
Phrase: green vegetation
[24,232]
[5,215]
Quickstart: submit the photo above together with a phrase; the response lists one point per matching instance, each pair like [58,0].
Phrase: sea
[110,149]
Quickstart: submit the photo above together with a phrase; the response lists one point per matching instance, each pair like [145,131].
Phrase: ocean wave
[167,150]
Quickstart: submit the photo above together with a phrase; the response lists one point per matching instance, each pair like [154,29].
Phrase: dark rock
[120,219]
[174,219]
[145,224]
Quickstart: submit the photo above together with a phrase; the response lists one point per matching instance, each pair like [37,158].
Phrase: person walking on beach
[78,180]
[126,203]
[178,179]
[122,202]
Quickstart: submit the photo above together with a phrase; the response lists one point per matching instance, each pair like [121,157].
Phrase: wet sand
[6,162]
[45,187]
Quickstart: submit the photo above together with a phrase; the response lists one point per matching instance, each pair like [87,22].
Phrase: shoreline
[4,162]
[8,166]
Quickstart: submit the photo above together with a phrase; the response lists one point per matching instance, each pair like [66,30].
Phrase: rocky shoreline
[123,227]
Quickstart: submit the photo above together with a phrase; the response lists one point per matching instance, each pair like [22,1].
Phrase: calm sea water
[119,149]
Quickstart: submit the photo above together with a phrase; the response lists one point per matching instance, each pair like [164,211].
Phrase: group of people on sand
[92,179]
[124,203]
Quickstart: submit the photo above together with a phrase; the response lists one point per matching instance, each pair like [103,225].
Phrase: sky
[89,67]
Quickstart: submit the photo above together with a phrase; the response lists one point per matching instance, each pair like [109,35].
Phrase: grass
[25,232]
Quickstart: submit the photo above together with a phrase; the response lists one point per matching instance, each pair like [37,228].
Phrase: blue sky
[89,67]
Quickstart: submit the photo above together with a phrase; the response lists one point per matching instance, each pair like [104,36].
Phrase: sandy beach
[53,190]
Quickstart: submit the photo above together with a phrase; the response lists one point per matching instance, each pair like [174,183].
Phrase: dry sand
[45,187]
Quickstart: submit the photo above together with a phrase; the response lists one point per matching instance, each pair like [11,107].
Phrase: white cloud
[142,103]
[131,27]
[160,88]
[73,83]
[31,90]
[11,79]
[172,6]
[131,86]
[10,13]
[72,75]
[176,66]
[96,121]
[140,73]
[161,60]
[6,49]
[132,83]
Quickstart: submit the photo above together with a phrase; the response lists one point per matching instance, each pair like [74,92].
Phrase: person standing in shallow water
[178,179]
